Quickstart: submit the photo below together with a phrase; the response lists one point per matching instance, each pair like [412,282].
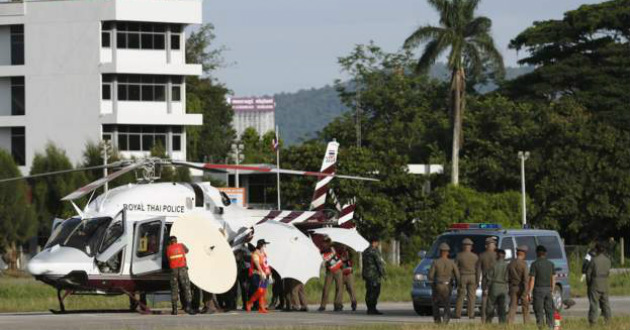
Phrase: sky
[278,46]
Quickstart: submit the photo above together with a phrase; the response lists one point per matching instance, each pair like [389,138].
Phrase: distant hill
[300,115]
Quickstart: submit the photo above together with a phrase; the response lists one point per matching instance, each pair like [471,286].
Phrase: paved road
[397,313]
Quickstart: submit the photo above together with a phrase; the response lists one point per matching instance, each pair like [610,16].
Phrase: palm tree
[472,50]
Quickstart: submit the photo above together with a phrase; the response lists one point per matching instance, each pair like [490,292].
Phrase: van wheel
[422,310]
[557,298]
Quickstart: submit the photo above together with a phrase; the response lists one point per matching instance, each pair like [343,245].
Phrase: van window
[507,243]
[530,241]
[455,243]
[554,250]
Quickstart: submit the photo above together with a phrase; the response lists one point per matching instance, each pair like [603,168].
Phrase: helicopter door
[112,249]
[147,247]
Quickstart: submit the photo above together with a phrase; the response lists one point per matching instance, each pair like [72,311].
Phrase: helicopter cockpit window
[149,239]
[225,199]
[61,233]
[112,234]
[87,235]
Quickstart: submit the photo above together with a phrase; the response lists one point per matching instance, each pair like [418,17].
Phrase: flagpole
[278,165]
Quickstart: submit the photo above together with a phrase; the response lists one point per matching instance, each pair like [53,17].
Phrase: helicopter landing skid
[60,298]
[144,309]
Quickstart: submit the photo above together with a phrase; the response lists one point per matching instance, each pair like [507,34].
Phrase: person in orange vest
[260,273]
[348,276]
[333,272]
[176,253]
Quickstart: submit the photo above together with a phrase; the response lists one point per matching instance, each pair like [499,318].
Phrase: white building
[259,113]
[73,71]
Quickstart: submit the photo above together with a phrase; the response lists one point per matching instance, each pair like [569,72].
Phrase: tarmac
[394,313]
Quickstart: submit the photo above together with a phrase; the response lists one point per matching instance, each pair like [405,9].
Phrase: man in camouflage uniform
[498,288]
[176,253]
[597,273]
[518,277]
[466,262]
[542,280]
[442,274]
[373,273]
[485,263]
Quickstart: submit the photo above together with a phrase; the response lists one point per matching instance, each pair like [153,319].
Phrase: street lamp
[237,153]
[523,157]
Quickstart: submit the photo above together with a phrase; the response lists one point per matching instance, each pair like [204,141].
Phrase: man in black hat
[597,273]
[373,273]
[542,280]
[486,261]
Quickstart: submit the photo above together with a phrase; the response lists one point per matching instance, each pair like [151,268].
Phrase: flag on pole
[275,143]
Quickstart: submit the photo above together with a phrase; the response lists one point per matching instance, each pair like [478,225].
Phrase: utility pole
[106,147]
[237,153]
[523,157]
[276,145]
[358,117]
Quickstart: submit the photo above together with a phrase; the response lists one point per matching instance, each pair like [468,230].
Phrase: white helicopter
[115,245]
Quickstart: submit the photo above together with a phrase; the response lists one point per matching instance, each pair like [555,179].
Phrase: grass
[21,293]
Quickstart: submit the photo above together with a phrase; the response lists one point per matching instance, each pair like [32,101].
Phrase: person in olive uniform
[373,273]
[442,273]
[466,262]
[518,278]
[485,263]
[597,273]
[498,288]
[542,280]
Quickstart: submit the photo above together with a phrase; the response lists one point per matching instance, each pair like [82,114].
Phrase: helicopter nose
[36,267]
[59,261]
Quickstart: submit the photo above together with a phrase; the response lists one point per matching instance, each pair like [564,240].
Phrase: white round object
[211,262]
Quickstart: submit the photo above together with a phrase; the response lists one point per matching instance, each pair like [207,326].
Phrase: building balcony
[12,70]
[171,11]
[147,113]
[12,8]
[148,62]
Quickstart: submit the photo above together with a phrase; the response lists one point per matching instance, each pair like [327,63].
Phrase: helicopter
[115,245]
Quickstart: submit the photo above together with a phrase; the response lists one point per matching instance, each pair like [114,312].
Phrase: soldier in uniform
[442,273]
[333,273]
[542,280]
[373,273]
[176,253]
[485,263]
[498,288]
[597,274]
[518,278]
[466,262]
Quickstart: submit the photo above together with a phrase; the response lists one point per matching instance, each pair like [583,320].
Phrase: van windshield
[455,243]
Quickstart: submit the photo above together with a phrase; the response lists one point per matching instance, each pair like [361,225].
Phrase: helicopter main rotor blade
[39,175]
[224,167]
[88,188]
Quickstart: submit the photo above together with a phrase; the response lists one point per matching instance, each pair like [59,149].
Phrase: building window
[177,142]
[138,137]
[175,38]
[17,44]
[18,145]
[17,96]
[107,91]
[147,88]
[106,39]
[134,35]
[176,93]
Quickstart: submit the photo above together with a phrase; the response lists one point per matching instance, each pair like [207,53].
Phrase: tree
[585,56]
[206,96]
[472,50]
[17,219]
[258,149]
[48,191]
